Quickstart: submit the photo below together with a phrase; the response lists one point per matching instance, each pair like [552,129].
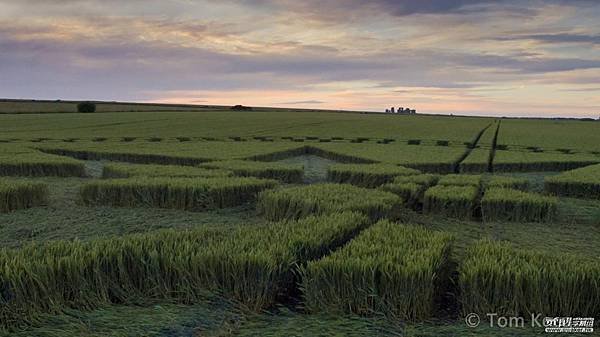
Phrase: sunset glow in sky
[507,57]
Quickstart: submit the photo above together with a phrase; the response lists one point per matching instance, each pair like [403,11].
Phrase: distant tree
[240,107]
[86,107]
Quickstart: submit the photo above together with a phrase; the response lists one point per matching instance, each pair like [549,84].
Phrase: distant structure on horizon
[401,111]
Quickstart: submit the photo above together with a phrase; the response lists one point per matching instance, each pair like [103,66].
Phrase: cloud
[342,8]
[302,102]
[46,63]
[582,89]
[408,7]
[556,38]
[439,55]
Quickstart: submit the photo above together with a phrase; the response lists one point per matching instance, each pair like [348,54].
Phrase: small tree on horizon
[86,107]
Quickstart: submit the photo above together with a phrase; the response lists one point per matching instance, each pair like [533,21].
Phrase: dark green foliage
[385,141]
[86,107]
[241,108]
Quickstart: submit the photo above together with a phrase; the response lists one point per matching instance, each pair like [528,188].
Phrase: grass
[528,161]
[410,193]
[315,167]
[496,277]
[580,183]
[514,205]
[367,175]
[397,270]
[171,152]
[302,201]
[22,161]
[269,170]
[574,231]
[311,150]
[480,157]
[550,134]
[421,179]
[123,170]
[65,219]
[535,180]
[260,122]
[496,181]
[477,161]
[460,180]
[451,201]
[411,188]
[251,265]
[193,138]
[426,158]
[178,193]
[97,153]
[16,195]
[157,319]
[41,106]
[218,318]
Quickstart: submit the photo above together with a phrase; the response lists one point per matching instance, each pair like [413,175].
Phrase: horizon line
[308,109]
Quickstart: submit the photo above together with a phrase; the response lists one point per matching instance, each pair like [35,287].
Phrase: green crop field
[550,135]
[159,220]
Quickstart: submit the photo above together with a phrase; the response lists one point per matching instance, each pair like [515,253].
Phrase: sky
[472,57]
